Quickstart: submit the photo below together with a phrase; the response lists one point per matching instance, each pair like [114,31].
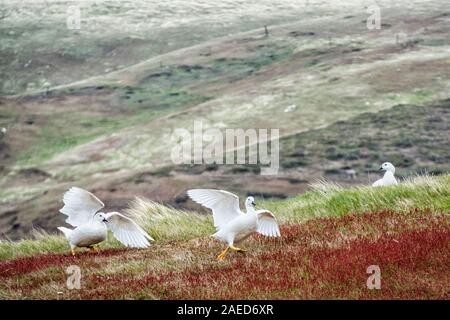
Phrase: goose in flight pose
[91,226]
[234,226]
[388,178]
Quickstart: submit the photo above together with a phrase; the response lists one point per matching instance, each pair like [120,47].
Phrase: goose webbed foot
[237,249]
[222,255]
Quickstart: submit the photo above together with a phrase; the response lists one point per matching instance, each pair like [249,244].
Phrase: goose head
[100,217]
[387,166]
[250,203]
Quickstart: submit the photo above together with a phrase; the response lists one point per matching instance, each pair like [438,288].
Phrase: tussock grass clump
[40,242]
[165,223]
[329,199]
[326,199]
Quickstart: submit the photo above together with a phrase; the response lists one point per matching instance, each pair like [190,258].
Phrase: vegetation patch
[325,258]
[167,224]
[410,136]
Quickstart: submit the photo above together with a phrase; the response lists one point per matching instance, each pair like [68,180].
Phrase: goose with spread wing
[91,225]
[234,226]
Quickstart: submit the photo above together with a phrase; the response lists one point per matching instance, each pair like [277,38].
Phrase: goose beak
[104,220]
[253,203]
[381,168]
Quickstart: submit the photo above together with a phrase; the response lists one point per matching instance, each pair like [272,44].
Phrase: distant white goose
[91,226]
[388,178]
[234,226]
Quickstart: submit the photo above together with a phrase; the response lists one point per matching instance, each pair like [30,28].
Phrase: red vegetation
[28,264]
[407,264]
[321,259]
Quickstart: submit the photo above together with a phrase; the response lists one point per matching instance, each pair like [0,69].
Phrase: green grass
[239,68]
[41,243]
[328,199]
[166,224]
[158,102]
[418,96]
[8,117]
[6,114]
[64,133]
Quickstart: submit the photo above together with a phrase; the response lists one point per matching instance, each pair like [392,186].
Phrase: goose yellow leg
[237,249]
[222,255]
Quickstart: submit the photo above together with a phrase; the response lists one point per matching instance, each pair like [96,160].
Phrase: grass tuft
[165,223]
[329,199]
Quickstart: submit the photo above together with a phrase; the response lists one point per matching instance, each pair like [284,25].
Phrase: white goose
[91,226]
[388,177]
[232,224]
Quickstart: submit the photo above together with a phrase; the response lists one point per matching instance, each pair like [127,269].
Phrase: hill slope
[105,120]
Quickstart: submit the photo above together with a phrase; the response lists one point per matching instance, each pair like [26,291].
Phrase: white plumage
[232,224]
[91,226]
[388,177]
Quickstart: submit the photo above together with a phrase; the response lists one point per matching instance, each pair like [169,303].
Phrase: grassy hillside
[166,224]
[113,35]
[330,236]
[96,107]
